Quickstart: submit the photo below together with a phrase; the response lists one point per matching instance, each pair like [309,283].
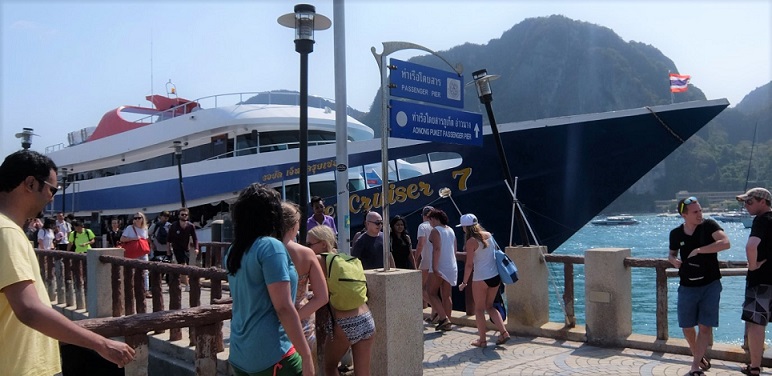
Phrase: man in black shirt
[758,287]
[369,247]
[693,250]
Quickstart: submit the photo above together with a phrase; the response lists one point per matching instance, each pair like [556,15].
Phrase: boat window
[439,161]
[420,162]
[246,143]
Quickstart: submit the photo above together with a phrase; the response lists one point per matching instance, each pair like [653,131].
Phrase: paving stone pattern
[451,353]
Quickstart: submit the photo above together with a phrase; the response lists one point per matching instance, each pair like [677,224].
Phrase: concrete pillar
[395,302]
[99,296]
[608,296]
[528,303]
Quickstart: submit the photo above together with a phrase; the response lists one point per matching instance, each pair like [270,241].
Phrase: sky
[66,63]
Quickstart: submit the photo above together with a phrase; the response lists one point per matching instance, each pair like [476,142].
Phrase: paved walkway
[450,353]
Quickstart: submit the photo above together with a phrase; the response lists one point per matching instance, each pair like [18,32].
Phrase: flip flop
[502,340]
[748,370]
[479,343]
[705,364]
[696,373]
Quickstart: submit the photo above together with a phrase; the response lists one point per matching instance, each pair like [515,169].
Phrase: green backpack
[346,281]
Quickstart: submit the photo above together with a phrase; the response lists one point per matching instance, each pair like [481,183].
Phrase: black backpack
[161,234]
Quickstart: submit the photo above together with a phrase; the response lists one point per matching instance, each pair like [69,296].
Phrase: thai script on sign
[420,77]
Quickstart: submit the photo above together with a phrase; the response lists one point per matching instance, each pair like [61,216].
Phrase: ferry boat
[568,168]
[617,220]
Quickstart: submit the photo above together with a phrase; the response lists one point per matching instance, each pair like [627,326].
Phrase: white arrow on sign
[476,130]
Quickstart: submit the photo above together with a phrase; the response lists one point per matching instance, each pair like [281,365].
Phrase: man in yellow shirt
[29,327]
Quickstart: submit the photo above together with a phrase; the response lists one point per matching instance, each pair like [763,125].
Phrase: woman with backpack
[479,248]
[348,327]
[310,274]
[266,334]
[46,235]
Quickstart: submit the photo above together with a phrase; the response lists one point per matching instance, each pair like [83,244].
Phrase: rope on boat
[672,132]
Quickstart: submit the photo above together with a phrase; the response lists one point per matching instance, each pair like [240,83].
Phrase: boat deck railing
[266,149]
[230,99]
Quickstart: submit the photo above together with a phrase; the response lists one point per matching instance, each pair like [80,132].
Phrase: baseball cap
[759,193]
[467,220]
[426,210]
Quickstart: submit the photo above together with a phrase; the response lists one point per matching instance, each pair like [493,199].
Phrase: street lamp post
[304,20]
[482,83]
[64,189]
[178,156]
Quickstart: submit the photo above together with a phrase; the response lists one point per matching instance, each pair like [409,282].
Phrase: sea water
[649,239]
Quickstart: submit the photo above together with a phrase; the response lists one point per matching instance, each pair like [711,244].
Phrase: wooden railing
[663,269]
[64,275]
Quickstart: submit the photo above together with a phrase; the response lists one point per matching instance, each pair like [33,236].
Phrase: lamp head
[305,20]
[26,138]
[482,83]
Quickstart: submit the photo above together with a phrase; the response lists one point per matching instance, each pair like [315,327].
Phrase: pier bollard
[99,295]
[608,296]
[528,304]
[394,298]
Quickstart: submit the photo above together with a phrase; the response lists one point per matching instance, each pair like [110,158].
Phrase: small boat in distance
[617,220]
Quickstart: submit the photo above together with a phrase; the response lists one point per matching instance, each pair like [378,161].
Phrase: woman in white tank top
[444,271]
[485,281]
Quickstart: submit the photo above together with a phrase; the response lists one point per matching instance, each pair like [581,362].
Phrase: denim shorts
[699,305]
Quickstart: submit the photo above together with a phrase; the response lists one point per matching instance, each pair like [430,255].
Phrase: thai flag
[372,178]
[679,83]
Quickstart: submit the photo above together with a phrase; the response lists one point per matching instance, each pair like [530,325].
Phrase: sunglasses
[749,201]
[688,201]
[51,187]
[314,243]
[136,218]
[377,223]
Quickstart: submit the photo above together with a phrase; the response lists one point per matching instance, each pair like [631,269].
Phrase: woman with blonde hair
[135,231]
[485,281]
[351,328]
[310,274]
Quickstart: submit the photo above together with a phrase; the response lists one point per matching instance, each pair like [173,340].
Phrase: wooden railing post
[662,325]
[568,294]
[206,349]
[69,293]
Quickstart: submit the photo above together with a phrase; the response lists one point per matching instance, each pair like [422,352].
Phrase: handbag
[135,248]
[506,267]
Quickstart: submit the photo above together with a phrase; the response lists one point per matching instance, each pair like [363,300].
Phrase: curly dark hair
[18,166]
[256,213]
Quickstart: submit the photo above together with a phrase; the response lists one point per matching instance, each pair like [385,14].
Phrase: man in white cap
[757,307]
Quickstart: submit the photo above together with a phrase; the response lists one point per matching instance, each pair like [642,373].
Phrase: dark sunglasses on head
[688,201]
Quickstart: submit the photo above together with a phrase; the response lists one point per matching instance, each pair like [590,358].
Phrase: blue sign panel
[421,122]
[426,84]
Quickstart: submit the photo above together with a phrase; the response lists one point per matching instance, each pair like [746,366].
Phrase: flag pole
[672,96]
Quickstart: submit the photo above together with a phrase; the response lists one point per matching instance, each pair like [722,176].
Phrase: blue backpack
[505,265]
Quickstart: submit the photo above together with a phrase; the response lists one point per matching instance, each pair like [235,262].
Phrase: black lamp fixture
[482,81]
[304,20]
[26,138]
[178,156]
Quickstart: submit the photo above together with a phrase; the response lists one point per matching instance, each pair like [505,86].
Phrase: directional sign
[420,122]
[426,84]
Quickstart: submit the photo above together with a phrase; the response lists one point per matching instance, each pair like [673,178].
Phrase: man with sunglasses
[30,329]
[369,247]
[757,307]
[694,248]
[181,233]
